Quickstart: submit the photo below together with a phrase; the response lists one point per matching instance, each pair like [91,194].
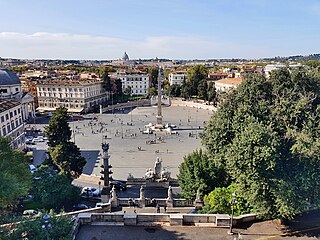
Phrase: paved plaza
[125,137]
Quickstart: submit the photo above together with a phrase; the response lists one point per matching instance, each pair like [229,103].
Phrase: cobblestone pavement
[125,137]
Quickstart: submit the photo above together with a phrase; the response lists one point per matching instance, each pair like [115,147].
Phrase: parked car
[31,212]
[38,139]
[90,192]
[32,168]
[79,206]
[118,185]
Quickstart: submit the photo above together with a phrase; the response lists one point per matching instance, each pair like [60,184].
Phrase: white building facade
[177,78]
[11,123]
[139,83]
[76,96]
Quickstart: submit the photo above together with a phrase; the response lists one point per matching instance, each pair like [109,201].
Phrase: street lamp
[232,202]
[47,225]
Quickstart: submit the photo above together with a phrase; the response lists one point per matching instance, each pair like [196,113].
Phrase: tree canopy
[58,130]
[54,191]
[15,177]
[198,172]
[266,137]
[68,159]
[65,154]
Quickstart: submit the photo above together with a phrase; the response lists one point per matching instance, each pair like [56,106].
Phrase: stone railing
[147,202]
[147,219]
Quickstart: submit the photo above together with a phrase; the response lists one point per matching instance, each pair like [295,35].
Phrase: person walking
[165,207]
[158,208]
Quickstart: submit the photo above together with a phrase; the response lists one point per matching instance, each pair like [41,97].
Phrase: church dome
[125,57]
[8,78]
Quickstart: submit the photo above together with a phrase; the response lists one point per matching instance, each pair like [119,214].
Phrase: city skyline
[173,29]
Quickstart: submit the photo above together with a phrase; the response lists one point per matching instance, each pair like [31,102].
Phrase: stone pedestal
[105,194]
[176,220]
[169,202]
[130,219]
[198,204]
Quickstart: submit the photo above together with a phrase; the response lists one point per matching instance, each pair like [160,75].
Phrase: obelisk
[159,116]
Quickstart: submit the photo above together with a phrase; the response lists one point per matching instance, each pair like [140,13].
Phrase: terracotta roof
[231,81]
[218,74]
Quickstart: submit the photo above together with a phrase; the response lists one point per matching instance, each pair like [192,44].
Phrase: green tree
[15,177]
[152,91]
[54,191]
[266,135]
[127,91]
[195,75]
[186,90]
[219,201]
[58,130]
[211,92]
[203,89]
[175,90]
[106,84]
[198,172]
[118,84]
[153,72]
[33,229]
[68,159]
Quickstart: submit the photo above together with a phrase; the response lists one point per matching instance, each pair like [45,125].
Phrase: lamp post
[47,225]
[232,202]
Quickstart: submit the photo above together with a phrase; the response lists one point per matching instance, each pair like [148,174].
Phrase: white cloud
[76,46]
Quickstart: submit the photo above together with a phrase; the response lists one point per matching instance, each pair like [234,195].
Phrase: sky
[174,29]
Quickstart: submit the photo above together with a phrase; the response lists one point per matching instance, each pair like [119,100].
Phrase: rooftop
[8,78]
[231,81]
[85,82]
[7,104]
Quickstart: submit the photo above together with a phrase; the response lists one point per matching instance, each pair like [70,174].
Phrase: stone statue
[170,192]
[142,191]
[157,168]
[113,193]
[149,174]
[105,147]
[198,195]
[130,177]
[165,175]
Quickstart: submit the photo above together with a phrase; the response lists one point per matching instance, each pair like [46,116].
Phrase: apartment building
[177,78]
[76,95]
[139,83]
[11,123]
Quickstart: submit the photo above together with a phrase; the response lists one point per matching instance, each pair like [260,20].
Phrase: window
[8,128]
[2,119]
[4,131]
[4,90]
[12,125]
[17,123]
[15,112]
[11,114]
[17,89]
[19,110]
